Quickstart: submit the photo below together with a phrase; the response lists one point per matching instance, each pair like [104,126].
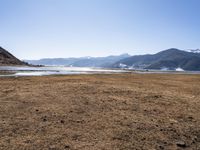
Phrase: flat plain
[100,112]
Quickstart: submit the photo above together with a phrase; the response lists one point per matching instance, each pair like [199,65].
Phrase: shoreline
[32,73]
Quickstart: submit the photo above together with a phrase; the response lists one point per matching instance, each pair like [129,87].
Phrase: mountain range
[170,59]
[80,62]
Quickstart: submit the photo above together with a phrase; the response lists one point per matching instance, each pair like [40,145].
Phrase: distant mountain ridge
[7,58]
[170,59]
[80,62]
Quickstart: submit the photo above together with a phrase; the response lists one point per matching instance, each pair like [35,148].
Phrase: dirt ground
[100,112]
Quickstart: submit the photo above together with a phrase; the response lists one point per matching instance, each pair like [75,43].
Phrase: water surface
[60,70]
[55,70]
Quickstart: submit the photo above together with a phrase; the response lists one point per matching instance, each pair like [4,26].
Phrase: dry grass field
[100,112]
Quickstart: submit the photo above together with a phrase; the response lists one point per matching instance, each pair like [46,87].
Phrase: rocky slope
[7,58]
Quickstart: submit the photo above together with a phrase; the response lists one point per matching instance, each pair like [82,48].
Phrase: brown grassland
[100,112]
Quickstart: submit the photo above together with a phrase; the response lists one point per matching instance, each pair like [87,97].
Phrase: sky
[34,29]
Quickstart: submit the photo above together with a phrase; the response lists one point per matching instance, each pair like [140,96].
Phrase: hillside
[170,59]
[7,58]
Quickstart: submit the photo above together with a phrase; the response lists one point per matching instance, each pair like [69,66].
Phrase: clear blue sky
[33,29]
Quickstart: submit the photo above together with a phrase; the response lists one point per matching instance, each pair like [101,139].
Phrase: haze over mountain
[80,62]
[170,59]
[7,58]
